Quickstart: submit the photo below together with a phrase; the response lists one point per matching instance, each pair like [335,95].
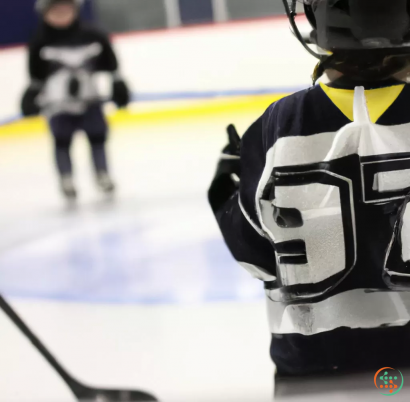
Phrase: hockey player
[321,212]
[63,58]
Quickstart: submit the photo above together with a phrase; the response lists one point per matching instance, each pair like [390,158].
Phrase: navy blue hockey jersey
[321,217]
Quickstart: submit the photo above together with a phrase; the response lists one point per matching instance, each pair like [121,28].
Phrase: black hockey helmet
[43,5]
[369,31]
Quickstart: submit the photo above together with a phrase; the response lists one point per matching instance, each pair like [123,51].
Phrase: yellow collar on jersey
[378,100]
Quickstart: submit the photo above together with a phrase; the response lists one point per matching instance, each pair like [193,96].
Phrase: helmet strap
[292,16]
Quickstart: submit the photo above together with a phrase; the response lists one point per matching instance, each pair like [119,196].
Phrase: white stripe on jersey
[358,308]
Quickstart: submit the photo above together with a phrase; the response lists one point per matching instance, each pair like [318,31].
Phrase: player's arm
[108,62]
[234,204]
[38,71]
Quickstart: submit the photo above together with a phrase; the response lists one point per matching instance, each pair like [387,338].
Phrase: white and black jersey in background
[62,65]
[321,217]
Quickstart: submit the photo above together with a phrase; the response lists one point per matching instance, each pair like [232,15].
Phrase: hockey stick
[81,391]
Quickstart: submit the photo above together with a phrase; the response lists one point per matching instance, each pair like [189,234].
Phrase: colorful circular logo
[389,381]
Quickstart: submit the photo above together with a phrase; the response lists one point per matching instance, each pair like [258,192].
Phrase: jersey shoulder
[397,111]
[38,40]
[304,113]
[322,109]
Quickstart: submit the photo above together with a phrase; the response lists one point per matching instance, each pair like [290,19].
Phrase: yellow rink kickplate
[153,112]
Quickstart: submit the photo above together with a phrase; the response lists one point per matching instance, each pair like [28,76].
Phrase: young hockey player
[321,210]
[63,58]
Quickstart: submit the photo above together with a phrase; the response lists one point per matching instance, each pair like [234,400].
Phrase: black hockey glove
[120,93]
[228,173]
[29,106]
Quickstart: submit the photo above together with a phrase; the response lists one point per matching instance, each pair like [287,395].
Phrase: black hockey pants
[63,128]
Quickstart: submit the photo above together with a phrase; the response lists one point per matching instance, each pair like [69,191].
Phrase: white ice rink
[136,292]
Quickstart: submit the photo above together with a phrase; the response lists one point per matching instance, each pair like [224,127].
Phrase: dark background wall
[18,20]
[194,12]
[243,9]
[130,15]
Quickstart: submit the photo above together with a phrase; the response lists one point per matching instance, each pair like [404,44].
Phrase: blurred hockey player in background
[321,212]
[63,58]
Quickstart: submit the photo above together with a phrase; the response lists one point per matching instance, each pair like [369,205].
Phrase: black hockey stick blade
[234,140]
[88,394]
[81,391]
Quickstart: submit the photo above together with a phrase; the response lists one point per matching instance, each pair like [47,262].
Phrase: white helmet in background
[43,5]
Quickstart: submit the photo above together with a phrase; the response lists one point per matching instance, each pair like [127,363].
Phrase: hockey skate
[104,183]
[67,187]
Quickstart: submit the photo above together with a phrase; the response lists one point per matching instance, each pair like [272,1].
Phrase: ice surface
[144,280]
